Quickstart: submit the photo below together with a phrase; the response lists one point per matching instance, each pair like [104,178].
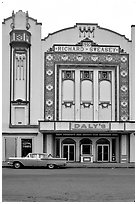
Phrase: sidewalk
[91,165]
[100,165]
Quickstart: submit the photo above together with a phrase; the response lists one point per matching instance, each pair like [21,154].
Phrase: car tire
[17,165]
[51,166]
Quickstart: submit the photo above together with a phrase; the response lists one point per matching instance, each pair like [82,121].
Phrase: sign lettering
[89,126]
[90,49]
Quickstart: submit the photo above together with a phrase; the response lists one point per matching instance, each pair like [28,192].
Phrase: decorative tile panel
[55,58]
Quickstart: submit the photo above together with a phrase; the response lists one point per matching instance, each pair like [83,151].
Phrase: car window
[34,156]
[29,155]
[41,155]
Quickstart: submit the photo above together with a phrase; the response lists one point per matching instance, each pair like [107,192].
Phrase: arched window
[68,141]
[86,146]
[103,141]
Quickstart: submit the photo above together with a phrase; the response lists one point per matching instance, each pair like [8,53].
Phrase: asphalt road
[68,185]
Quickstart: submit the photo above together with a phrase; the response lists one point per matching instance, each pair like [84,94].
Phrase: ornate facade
[71,94]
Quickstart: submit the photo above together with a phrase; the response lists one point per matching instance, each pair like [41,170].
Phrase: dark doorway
[26,146]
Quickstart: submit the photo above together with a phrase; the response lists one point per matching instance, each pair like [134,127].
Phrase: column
[124,150]
[95,83]
[132,147]
[110,153]
[19,153]
[132,75]
[77,95]
[117,149]
[38,143]
[94,152]
[3,149]
[77,151]
[44,143]
[50,144]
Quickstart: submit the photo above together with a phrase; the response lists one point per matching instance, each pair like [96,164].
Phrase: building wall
[36,69]
[102,36]
[12,146]
[37,81]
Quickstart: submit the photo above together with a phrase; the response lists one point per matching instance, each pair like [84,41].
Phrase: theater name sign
[89,49]
[68,126]
[89,126]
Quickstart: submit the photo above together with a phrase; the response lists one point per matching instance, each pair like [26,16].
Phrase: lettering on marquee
[90,49]
[89,126]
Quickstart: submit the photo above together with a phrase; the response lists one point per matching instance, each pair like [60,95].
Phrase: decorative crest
[86,31]
[86,42]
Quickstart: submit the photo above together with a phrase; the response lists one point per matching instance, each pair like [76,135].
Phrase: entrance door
[103,153]
[69,152]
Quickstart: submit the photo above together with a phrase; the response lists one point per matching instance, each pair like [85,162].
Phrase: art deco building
[71,94]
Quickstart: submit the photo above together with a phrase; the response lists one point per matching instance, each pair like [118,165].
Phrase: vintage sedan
[37,160]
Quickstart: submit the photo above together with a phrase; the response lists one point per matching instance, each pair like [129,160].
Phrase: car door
[31,160]
[42,160]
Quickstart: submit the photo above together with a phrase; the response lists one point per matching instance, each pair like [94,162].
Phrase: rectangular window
[19,115]
[86,149]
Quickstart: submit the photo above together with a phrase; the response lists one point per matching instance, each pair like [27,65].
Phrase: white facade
[71,94]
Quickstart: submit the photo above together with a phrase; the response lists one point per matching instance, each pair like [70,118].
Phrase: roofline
[115,33]
[5,19]
[58,32]
[93,24]
[10,17]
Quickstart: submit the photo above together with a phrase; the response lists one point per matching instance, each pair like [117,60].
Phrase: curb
[92,165]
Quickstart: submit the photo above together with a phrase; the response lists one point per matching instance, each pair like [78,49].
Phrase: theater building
[71,94]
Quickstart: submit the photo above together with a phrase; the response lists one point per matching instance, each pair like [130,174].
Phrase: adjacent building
[71,94]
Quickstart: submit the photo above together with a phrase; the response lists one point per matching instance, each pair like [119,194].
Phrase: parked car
[37,160]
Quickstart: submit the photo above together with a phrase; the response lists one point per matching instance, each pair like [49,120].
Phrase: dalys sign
[89,126]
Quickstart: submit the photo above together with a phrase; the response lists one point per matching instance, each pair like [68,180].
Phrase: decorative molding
[19,102]
[105,75]
[20,69]
[12,25]
[88,59]
[86,75]
[20,38]
[86,42]
[68,75]
[27,21]
[86,31]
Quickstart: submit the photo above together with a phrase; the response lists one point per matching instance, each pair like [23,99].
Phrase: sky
[116,15]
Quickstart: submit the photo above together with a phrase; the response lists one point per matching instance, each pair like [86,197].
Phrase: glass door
[69,152]
[103,153]
[99,150]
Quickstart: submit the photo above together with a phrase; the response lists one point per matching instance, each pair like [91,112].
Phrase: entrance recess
[86,93]
[103,152]
[69,152]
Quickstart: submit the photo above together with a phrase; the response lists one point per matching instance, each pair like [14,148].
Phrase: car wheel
[51,166]
[17,165]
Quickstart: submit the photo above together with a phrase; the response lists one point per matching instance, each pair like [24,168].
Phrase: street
[68,185]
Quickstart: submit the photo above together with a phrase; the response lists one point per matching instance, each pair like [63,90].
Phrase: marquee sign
[89,126]
[90,49]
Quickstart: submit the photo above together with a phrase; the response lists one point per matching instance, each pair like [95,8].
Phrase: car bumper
[10,163]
